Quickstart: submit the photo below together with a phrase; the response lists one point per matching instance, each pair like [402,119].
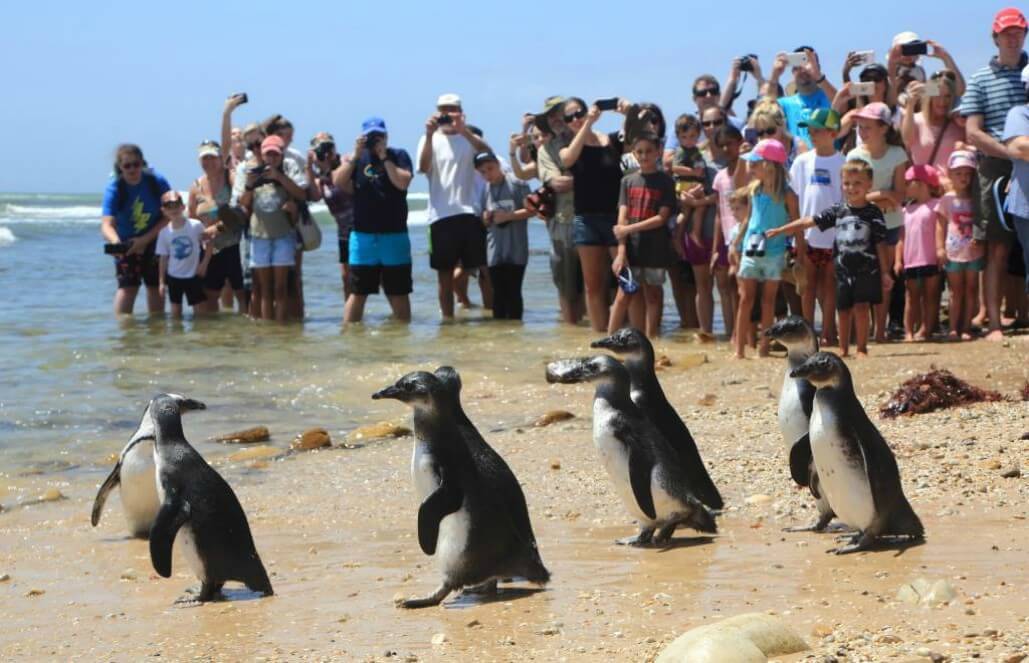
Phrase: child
[729,140]
[920,253]
[687,163]
[815,177]
[772,203]
[507,240]
[646,201]
[859,251]
[965,255]
[179,247]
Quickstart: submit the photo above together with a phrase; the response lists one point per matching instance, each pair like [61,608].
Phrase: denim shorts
[278,252]
[648,275]
[595,230]
[762,268]
[970,266]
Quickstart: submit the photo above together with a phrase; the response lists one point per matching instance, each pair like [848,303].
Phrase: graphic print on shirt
[643,202]
[140,219]
[182,247]
[858,231]
[959,230]
[822,177]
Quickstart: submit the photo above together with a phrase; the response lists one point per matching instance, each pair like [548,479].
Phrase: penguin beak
[389,392]
[192,404]
[605,343]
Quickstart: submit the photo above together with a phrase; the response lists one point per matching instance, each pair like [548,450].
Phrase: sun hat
[905,37]
[448,99]
[822,118]
[1008,18]
[376,125]
[209,148]
[876,110]
[961,159]
[922,173]
[767,150]
[550,103]
[273,144]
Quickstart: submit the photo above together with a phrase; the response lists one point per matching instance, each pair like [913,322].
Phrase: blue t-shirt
[767,214]
[797,109]
[1017,124]
[139,208]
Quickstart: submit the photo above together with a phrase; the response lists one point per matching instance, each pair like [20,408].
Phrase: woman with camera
[270,192]
[324,165]
[932,133]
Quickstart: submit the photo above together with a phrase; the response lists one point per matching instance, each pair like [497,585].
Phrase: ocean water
[73,378]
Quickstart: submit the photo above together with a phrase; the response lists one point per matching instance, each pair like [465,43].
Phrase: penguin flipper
[800,461]
[112,480]
[173,514]
[640,470]
[444,501]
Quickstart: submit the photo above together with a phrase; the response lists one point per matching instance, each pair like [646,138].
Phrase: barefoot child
[920,253]
[772,204]
[859,251]
[965,255]
[646,201]
[179,247]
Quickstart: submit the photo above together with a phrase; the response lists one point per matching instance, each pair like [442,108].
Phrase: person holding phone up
[813,90]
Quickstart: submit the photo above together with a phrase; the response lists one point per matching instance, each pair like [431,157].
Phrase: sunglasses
[944,74]
[713,123]
[131,165]
[577,115]
[770,131]
[706,92]
[172,203]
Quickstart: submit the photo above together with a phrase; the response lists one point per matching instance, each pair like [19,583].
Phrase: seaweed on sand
[936,390]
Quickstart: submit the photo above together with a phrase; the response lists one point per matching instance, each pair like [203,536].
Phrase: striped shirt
[992,92]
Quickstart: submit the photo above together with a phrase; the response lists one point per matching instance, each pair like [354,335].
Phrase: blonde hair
[858,166]
[947,85]
[767,111]
[779,180]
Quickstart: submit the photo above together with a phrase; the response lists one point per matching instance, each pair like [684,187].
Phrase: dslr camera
[746,63]
[323,150]
[755,246]
[541,201]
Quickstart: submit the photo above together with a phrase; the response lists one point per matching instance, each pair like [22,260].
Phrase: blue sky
[82,77]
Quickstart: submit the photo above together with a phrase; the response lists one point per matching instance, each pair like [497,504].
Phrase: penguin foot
[433,599]
[488,588]
[664,535]
[817,526]
[857,543]
[644,538]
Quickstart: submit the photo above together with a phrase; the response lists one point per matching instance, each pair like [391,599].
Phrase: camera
[118,248]
[608,104]
[541,201]
[864,57]
[243,97]
[258,170]
[746,63]
[931,89]
[913,48]
[796,59]
[444,119]
[755,246]
[324,150]
[863,89]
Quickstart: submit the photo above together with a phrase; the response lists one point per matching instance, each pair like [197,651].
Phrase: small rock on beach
[314,438]
[247,436]
[552,417]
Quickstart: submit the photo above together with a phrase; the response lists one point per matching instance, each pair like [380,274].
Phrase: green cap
[823,118]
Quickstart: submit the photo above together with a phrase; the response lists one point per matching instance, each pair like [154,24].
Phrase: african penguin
[644,467]
[197,503]
[650,399]
[795,402]
[857,471]
[134,475]
[472,515]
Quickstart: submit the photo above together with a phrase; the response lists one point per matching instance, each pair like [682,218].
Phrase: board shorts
[853,289]
[454,240]
[762,268]
[224,266]
[141,268]
[595,230]
[192,288]
[819,258]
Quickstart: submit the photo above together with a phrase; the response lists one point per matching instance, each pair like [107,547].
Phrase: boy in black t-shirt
[646,200]
[859,252]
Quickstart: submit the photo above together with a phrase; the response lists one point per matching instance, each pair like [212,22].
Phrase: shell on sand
[247,436]
[551,417]
[314,438]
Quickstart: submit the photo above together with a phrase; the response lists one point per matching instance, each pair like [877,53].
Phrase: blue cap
[372,125]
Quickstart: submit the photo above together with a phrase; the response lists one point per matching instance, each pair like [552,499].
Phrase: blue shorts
[762,268]
[594,230]
[389,249]
[970,266]
[278,252]
[893,235]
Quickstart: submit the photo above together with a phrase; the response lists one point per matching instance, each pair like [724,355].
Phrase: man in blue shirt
[992,92]
[813,91]
[132,215]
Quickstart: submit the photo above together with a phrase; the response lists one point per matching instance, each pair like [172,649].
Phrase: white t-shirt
[816,181]
[452,186]
[182,246]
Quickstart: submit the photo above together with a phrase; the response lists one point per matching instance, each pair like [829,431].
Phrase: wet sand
[336,529]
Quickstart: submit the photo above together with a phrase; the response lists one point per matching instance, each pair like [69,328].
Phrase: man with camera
[992,92]
[813,90]
[446,155]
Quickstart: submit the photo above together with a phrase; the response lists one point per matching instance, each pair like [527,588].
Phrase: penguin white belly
[792,421]
[842,475]
[614,456]
[138,487]
[188,548]
[423,470]
[453,528]
[665,506]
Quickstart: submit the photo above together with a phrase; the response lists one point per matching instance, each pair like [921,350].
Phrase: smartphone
[750,135]
[607,104]
[865,89]
[243,97]
[117,249]
[796,59]
[914,48]
[444,119]
[257,170]
[931,89]
[865,57]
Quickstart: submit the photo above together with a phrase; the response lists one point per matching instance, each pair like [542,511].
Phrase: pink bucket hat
[922,173]
[962,159]
[876,110]
[767,150]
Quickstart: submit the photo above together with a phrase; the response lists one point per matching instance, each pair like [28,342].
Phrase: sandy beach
[336,529]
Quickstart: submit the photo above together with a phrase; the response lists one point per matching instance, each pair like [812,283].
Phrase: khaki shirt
[548,162]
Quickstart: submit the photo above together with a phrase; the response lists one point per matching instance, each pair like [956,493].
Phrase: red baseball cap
[273,144]
[1008,18]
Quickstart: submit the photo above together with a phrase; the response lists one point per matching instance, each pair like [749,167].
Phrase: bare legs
[996,269]
[705,297]
[728,296]
[125,300]
[859,316]
[596,266]
[748,293]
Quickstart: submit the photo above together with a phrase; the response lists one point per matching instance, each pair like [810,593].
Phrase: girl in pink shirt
[965,254]
[920,253]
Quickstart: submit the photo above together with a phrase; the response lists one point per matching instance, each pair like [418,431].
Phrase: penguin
[134,476]
[857,471]
[648,396]
[197,503]
[472,515]
[795,403]
[646,470]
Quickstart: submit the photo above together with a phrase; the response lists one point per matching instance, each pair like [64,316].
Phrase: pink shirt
[722,183]
[960,215]
[920,234]
[925,139]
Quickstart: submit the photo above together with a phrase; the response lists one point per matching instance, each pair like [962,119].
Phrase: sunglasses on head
[713,123]
[706,92]
[131,165]
[577,115]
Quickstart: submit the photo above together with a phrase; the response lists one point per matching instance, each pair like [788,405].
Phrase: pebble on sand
[439,639]
[1012,472]
[381,429]
[35,592]
[315,438]
[255,453]
[758,499]
[747,638]
[52,495]
[552,417]
[248,436]
[4,577]
[924,592]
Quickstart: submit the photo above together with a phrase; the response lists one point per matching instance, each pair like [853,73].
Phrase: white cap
[905,38]
[449,99]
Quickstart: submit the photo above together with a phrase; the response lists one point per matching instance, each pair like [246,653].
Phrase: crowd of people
[856,205]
